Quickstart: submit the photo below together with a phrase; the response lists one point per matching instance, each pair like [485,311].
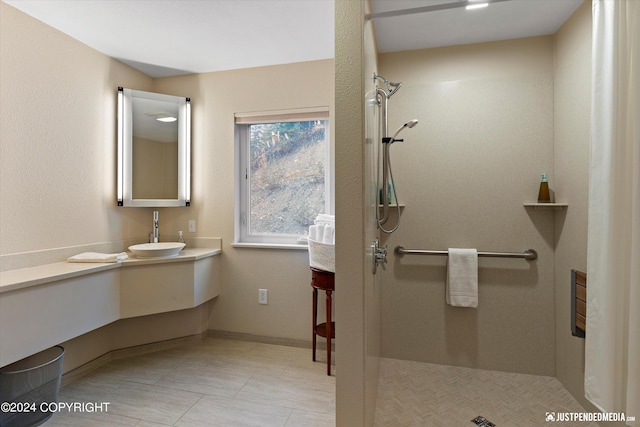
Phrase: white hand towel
[97,257]
[462,278]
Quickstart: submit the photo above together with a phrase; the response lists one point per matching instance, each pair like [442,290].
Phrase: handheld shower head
[409,124]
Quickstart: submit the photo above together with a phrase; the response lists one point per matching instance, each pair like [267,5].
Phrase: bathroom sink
[157,250]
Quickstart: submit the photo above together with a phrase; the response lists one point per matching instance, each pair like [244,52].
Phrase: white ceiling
[172,37]
[502,20]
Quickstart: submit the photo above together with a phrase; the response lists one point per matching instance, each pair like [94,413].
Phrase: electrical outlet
[262,296]
[192,226]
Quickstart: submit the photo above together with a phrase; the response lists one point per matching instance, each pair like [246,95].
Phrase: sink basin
[157,250]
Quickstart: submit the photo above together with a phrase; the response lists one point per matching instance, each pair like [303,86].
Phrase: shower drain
[482,422]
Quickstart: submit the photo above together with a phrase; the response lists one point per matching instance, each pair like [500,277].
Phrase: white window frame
[242,236]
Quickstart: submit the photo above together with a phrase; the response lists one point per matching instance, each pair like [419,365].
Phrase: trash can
[28,387]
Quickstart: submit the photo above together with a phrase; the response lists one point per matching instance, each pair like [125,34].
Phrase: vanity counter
[39,275]
[32,276]
[48,304]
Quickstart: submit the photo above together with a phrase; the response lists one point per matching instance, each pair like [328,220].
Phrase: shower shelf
[393,209]
[393,206]
[547,206]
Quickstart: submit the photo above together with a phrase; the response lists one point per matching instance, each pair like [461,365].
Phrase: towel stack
[323,230]
[97,257]
[322,240]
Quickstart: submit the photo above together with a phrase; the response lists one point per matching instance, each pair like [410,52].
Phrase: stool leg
[314,320]
[329,332]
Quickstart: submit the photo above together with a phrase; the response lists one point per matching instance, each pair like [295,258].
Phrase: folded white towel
[313,232]
[462,278]
[325,219]
[97,257]
[319,232]
[328,236]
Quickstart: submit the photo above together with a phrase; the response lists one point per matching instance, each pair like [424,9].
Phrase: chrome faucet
[156,229]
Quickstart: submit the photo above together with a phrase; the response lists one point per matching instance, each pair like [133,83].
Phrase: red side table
[325,281]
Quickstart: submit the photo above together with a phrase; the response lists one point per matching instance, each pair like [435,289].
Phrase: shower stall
[472,130]
[487,115]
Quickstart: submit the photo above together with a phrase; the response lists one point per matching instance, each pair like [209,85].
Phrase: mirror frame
[125,149]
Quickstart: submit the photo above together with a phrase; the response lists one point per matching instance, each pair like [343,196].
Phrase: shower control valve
[379,256]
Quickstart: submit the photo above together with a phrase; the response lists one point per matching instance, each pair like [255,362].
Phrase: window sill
[270,246]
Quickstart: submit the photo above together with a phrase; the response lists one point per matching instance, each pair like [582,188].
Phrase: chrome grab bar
[529,254]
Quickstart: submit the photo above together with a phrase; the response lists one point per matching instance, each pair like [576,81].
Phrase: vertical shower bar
[385,156]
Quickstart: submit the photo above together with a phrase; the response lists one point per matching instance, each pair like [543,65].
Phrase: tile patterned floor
[217,383]
[423,394]
[231,383]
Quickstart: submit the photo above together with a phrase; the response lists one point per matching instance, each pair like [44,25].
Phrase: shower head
[409,124]
[392,87]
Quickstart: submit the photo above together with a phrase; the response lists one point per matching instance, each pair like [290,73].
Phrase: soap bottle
[543,193]
[180,237]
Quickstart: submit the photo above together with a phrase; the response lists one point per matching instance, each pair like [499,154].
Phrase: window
[283,176]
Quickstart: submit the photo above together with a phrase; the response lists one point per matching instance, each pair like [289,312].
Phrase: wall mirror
[154,149]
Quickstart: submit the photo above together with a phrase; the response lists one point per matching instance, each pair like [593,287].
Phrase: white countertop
[41,274]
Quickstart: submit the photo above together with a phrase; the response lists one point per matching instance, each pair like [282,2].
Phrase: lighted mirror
[154,149]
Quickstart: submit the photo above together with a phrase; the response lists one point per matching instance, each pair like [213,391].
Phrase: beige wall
[485,135]
[58,171]
[57,140]
[357,289]
[215,97]
[572,110]
[350,264]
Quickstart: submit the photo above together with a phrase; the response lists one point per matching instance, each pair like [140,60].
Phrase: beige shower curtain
[612,355]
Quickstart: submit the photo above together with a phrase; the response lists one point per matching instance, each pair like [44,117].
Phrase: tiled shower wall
[485,136]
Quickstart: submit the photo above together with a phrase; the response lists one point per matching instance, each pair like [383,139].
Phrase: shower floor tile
[424,394]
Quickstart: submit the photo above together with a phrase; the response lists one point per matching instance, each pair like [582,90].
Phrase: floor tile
[151,403]
[268,390]
[148,424]
[212,411]
[218,382]
[145,369]
[223,376]
[300,418]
